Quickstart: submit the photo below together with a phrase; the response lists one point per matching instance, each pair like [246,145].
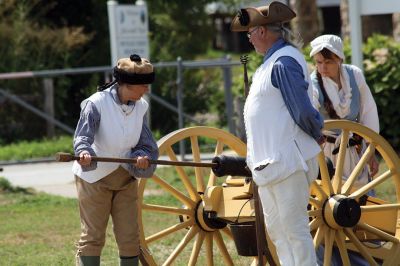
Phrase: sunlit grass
[35,149]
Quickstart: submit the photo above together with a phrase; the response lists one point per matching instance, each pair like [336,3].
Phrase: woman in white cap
[341,92]
[113,124]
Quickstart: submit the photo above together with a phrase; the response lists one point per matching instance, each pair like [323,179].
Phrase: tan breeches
[115,195]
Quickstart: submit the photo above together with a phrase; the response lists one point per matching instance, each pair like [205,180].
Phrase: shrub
[381,67]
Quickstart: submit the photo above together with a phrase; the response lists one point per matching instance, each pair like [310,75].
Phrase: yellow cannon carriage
[200,218]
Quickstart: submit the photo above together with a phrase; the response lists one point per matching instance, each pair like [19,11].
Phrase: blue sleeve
[88,124]
[287,75]
[146,146]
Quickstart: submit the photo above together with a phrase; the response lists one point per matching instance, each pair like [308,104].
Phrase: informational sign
[128,30]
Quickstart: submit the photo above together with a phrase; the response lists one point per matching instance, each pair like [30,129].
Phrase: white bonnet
[331,42]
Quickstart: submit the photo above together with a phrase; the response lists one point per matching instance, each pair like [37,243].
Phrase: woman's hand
[142,162]
[84,158]
[373,166]
[321,140]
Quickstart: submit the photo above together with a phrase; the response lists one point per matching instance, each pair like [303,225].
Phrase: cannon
[207,220]
[203,212]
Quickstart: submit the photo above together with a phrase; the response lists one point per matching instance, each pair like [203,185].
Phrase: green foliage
[203,94]
[254,61]
[27,43]
[36,149]
[61,34]
[179,28]
[36,46]
[182,29]
[381,64]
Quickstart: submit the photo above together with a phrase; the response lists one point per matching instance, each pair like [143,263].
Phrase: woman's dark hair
[327,102]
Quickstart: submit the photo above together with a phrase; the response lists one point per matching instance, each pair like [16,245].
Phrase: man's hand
[142,162]
[84,158]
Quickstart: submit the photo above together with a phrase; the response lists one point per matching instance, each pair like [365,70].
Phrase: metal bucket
[244,235]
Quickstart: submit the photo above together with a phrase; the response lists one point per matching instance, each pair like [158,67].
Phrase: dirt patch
[152,192]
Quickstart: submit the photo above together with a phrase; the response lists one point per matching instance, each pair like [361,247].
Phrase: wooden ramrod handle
[67,157]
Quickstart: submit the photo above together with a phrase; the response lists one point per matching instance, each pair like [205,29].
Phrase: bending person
[341,92]
[113,124]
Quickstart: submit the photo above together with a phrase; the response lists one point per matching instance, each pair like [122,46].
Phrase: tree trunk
[380,24]
[396,26]
[344,16]
[306,22]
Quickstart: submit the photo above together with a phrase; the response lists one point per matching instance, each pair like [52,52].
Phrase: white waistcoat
[117,134]
[272,135]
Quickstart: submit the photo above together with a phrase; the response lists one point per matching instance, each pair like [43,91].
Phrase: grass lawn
[37,229]
[40,229]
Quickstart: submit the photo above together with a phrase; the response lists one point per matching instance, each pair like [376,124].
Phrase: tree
[184,29]
[25,45]
[30,45]
[74,33]
[306,21]
[179,28]
[344,14]
[396,26]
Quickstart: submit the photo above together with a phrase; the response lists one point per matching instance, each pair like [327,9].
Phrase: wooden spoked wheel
[344,220]
[173,227]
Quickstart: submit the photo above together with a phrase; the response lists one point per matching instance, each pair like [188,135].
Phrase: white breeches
[286,218]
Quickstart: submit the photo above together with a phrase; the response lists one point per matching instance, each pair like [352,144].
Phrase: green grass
[35,149]
[40,229]
[37,229]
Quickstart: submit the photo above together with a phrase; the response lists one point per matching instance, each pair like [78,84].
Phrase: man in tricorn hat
[283,131]
[113,124]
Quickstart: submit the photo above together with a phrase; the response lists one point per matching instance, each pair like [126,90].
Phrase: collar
[114,94]
[275,47]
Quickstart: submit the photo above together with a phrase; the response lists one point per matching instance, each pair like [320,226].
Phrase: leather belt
[353,141]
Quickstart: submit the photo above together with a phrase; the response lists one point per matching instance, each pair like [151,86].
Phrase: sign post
[128,26]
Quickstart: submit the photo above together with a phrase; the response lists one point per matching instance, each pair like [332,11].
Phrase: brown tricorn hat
[276,12]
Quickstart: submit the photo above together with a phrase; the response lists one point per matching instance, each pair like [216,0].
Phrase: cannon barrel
[230,165]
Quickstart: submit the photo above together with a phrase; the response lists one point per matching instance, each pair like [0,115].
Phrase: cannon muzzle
[230,165]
